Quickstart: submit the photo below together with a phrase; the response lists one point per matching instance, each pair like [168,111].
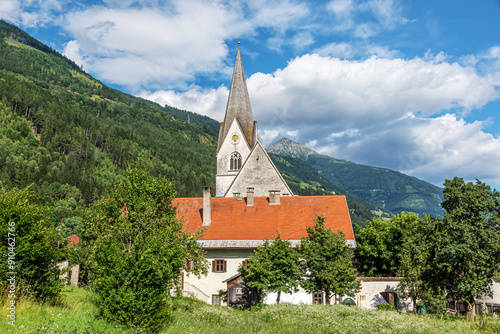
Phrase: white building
[252,202]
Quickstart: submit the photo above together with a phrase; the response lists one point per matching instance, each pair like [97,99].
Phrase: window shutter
[188,265]
[225,266]
[213,266]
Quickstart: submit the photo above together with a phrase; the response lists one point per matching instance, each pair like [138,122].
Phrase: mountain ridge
[386,188]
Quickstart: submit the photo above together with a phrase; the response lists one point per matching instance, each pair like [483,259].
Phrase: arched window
[235,162]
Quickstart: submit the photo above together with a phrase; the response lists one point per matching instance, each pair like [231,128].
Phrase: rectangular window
[216,300]
[189,264]
[362,301]
[244,263]
[239,291]
[219,266]
[318,298]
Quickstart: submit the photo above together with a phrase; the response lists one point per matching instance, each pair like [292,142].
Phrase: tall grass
[77,314]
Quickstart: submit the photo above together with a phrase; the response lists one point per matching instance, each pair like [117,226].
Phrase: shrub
[137,250]
[28,246]
[385,307]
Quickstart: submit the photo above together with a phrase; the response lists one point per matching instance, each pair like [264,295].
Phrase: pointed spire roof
[238,104]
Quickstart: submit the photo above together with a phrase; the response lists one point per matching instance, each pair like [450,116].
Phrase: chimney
[250,196]
[274,197]
[207,206]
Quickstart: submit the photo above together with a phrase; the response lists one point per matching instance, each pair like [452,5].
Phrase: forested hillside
[72,135]
[306,181]
[391,190]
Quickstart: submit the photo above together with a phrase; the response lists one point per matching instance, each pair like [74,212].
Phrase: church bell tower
[242,162]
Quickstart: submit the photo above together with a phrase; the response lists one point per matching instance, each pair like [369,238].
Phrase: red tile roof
[73,241]
[233,220]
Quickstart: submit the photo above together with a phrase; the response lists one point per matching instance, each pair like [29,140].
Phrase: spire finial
[239,38]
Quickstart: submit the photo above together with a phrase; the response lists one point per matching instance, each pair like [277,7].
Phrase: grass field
[76,314]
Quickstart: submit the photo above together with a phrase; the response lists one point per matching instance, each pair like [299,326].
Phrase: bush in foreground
[28,247]
[138,248]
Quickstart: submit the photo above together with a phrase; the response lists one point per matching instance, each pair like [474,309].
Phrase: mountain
[306,181]
[71,136]
[388,189]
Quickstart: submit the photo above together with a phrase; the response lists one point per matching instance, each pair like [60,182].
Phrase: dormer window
[235,162]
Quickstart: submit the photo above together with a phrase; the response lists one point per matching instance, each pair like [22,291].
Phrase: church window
[235,162]
[219,266]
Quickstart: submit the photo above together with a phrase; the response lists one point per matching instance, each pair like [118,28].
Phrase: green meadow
[75,313]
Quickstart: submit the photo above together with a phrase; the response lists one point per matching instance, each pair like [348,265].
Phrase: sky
[413,86]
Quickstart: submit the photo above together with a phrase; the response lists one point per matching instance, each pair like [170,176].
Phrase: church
[252,202]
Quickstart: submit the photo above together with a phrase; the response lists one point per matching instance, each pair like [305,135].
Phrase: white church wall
[259,173]
[223,182]
[229,146]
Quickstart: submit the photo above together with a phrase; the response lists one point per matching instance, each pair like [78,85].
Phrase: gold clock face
[235,137]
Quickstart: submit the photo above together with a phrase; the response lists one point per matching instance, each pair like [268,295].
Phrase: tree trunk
[471,310]
[327,297]
[414,301]
[278,297]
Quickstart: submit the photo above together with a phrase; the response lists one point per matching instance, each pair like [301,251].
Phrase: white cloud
[210,102]
[31,12]
[278,14]
[9,10]
[151,47]
[340,8]
[387,12]
[374,111]
[167,45]
[72,51]
[433,149]
[365,19]
[340,50]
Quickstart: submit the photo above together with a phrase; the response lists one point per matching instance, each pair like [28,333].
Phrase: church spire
[238,106]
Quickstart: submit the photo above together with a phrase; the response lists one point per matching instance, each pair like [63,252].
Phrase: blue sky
[409,85]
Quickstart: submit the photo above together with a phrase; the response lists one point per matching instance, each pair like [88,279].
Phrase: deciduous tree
[327,262]
[379,244]
[466,243]
[273,267]
[138,248]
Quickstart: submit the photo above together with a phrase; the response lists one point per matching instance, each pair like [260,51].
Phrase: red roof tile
[73,241]
[233,220]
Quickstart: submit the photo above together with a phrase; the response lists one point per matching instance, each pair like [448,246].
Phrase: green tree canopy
[466,243]
[415,261]
[327,262]
[137,249]
[379,244]
[273,267]
[28,239]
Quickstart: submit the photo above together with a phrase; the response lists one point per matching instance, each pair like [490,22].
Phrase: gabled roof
[236,225]
[267,164]
[238,105]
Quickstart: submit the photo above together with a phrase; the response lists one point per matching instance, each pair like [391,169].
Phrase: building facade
[253,202]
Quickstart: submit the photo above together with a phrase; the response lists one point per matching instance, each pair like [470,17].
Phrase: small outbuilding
[239,294]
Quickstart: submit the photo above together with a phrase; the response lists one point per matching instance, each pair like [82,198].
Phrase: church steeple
[238,107]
